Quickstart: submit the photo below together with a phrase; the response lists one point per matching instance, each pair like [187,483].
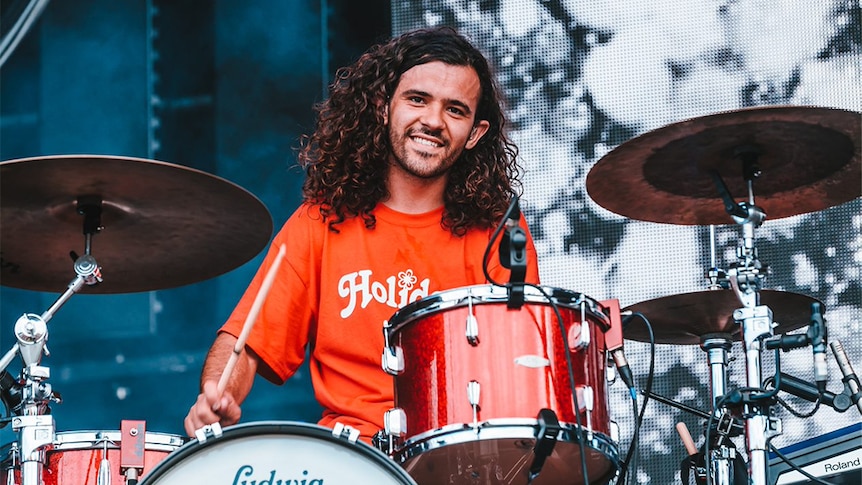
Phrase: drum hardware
[104,475]
[132,446]
[472,330]
[210,431]
[717,347]
[579,332]
[473,393]
[344,432]
[746,279]
[808,152]
[394,431]
[546,438]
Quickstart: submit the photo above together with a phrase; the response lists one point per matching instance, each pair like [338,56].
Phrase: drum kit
[524,401]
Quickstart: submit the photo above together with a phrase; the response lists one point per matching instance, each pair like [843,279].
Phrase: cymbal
[164,225]
[685,318]
[809,159]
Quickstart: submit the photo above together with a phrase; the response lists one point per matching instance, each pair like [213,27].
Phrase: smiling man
[408,172]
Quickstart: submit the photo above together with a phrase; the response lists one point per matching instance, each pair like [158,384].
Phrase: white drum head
[277,452]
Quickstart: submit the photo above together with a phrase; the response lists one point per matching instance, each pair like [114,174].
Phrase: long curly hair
[346,157]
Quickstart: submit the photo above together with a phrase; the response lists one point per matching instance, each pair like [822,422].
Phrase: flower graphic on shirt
[406,279]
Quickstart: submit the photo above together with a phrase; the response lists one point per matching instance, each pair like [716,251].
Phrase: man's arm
[211,406]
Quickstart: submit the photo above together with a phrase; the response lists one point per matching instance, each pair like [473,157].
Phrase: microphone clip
[517,265]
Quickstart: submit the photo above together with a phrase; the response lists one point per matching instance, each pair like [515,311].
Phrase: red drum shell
[75,456]
[519,363]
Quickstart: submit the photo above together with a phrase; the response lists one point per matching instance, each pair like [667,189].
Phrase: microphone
[817,335]
[805,390]
[10,393]
[614,345]
[512,222]
[850,378]
[513,254]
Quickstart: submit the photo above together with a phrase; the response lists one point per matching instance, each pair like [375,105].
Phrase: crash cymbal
[164,225]
[809,158]
[684,318]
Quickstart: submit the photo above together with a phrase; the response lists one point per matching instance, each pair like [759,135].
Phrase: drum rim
[436,302]
[287,428]
[464,433]
[86,439]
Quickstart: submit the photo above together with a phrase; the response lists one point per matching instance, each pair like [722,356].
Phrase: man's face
[431,118]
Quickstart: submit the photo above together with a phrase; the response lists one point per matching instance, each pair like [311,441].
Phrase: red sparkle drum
[278,452]
[76,457]
[471,376]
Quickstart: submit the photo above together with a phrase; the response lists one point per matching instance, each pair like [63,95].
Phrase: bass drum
[277,452]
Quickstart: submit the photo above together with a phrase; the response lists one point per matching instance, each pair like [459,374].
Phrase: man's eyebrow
[457,102]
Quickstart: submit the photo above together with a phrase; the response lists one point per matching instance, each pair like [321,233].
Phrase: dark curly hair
[346,157]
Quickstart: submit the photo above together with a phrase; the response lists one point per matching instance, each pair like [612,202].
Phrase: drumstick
[250,320]
[686,438]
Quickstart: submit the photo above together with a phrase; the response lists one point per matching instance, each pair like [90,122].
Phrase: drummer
[408,172]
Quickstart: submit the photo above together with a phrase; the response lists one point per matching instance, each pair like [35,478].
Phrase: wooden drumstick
[686,438]
[250,320]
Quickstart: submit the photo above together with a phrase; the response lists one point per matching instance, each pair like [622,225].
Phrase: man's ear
[476,134]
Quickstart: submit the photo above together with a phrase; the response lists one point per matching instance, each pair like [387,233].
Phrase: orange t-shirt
[334,291]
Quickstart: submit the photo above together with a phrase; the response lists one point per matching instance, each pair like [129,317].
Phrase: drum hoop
[438,301]
[89,439]
[500,429]
[286,428]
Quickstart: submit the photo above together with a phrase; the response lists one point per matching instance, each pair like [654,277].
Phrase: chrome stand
[33,423]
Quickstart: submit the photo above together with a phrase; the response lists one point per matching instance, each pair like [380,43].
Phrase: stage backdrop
[226,87]
[584,77]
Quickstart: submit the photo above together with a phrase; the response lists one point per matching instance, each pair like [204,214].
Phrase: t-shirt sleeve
[282,329]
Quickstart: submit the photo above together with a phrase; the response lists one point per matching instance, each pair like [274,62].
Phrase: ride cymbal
[808,159]
[163,225]
[683,319]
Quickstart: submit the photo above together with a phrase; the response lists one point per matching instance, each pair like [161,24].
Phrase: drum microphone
[614,345]
[850,378]
[10,393]
[817,335]
[513,254]
[509,240]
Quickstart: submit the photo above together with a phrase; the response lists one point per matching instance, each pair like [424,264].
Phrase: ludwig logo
[245,476]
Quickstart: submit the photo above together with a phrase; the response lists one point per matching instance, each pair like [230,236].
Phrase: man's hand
[210,407]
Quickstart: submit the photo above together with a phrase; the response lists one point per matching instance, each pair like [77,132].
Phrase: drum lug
[579,336]
[473,392]
[344,432]
[393,360]
[472,331]
[395,422]
[209,431]
[614,431]
[586,401]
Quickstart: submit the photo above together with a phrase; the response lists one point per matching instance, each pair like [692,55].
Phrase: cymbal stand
[35,426]
[746,280]
[717,347]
